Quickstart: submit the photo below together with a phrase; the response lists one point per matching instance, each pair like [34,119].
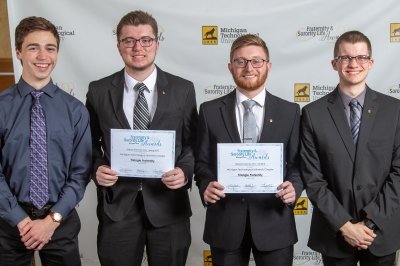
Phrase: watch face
[57,217]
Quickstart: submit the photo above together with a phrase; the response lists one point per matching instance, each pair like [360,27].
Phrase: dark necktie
[249,122]
[355,119]
[39,187]
[141,115]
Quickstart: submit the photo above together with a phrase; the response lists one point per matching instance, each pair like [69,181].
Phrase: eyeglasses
[130,42]
[255,62]
[346,59]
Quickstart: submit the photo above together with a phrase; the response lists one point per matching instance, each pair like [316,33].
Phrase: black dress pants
[62,249]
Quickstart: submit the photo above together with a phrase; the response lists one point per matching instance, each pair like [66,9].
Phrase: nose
[249,65]
[42,54]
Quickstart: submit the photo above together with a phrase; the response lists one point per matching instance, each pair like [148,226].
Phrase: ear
[371,63]
[334,64]
[230,67]
[18,53]
[269,66]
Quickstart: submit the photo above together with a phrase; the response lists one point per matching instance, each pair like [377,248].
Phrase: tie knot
[140,86]
[353,103]
[37,94]
[248,104]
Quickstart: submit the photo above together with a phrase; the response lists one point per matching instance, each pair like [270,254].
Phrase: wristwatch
[56,216]
[369,223]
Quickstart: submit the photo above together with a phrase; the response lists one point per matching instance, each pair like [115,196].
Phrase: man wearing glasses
[350,150]
[137,212]
[262,222]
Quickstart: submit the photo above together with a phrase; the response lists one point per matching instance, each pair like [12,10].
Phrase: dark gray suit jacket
[343,182]
[272,223]
[176,110]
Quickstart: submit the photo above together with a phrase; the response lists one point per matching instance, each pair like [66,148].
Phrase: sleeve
[293,157]
[203,173]
[10,210]
[185,160]
[79,168]
[387,201]
[98,155]
[316,185]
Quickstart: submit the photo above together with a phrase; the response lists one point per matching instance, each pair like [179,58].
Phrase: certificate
[142,153]
[250,167]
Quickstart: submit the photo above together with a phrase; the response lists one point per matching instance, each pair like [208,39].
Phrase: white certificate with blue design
[250,167]
[142,153]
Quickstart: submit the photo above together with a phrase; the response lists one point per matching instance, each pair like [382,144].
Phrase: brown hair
[31,24]
[246,40]
[352,37]
[136,18]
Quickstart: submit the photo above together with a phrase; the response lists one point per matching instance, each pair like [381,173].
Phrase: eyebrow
[38,45]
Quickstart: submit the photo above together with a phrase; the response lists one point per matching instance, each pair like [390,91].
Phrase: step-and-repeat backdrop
[195,39]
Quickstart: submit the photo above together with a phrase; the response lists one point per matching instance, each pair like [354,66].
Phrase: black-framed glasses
[255,62]
[130,42]
[346,59]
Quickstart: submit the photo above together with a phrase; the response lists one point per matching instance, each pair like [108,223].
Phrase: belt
[35,213]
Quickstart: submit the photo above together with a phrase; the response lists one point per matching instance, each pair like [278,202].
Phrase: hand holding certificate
[142,153]
[250,167]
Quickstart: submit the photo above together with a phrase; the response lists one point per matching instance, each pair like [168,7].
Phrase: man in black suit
[350,150]
[137,212]
[238,223]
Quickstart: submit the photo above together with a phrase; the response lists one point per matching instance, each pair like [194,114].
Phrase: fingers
[287,192]
[105,176]
[213,192]
[174,179]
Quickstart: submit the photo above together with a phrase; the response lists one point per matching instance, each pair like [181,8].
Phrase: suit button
[243,199]
[358,187]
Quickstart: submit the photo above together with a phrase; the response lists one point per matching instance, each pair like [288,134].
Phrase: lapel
[163,98]
[367,120]
[229,116]
[270,111]
[335,108]
[116,94]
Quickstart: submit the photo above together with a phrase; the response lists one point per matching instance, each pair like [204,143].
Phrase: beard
[250,85]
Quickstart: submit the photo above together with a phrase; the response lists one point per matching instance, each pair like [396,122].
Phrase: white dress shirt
[130,95]
[258,111]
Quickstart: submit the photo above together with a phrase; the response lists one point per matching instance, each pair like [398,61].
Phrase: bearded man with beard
[237,223]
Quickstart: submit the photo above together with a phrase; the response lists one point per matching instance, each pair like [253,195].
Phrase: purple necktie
[39,188]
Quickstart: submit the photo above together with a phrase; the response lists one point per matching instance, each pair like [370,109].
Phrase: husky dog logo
[301,92]
[210,35]
[301,206]
[207,258]
[395,32]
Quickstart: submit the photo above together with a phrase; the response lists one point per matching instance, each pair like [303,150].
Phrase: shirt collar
[150,81]
[259,98]
[24,88]
[346,99]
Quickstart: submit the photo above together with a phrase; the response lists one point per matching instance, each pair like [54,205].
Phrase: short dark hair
[137,18]
[352,37]
[246,40]
[31,24]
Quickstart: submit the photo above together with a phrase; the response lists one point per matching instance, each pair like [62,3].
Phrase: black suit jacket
[176,110]
[343,182]
[272,222]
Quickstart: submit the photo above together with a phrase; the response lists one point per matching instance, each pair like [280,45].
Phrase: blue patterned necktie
[355,119]
[249,122]
[141,115]
[39,187]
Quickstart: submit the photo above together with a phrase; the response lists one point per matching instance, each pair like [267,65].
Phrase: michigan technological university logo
[301,207]
[210,35]
[302,92]
[394,32]
[207,258]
